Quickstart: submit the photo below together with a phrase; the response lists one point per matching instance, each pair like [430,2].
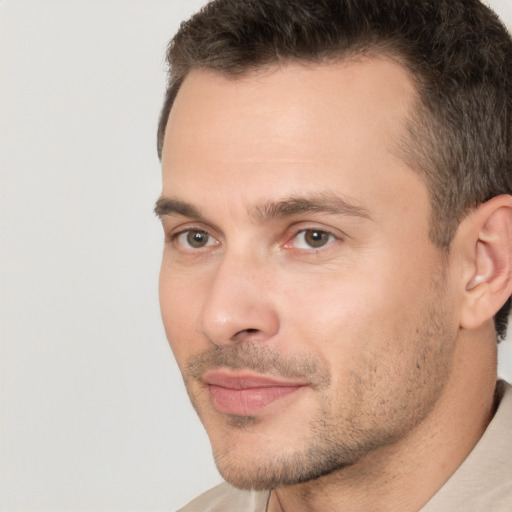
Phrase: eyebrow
[311,203]
[329,203]
[167,207]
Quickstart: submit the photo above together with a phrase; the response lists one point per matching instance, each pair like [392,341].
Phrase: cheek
[178,307]
[353,312]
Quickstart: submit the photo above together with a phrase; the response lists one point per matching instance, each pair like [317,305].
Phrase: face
[308,311]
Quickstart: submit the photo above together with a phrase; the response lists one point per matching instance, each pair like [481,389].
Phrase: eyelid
[176,228]
[296,230]
[182,240]
[175,232]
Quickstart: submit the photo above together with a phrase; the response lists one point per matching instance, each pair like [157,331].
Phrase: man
[338,255]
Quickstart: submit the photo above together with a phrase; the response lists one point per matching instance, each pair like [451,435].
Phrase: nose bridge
[238,304]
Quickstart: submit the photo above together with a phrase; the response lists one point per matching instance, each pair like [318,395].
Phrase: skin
[341,290]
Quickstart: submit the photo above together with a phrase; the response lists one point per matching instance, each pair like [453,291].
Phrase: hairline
[409,151]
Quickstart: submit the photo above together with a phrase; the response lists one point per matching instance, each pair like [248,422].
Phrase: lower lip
[247,402]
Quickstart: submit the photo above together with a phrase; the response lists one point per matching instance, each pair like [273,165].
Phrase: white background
[93,412]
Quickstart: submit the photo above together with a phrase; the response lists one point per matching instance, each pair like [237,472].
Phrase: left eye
[312,239]
[195,239]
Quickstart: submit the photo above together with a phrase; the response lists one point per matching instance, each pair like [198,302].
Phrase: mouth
[245,393]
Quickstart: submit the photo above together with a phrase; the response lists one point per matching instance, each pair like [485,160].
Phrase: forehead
[294,94]
[283,129]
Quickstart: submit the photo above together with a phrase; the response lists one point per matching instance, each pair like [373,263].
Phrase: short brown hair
[457,52]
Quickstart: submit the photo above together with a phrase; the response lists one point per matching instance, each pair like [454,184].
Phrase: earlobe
[488,240]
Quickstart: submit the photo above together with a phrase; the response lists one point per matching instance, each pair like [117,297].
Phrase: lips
[245,394]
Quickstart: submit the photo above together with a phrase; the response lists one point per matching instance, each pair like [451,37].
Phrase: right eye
[194,239]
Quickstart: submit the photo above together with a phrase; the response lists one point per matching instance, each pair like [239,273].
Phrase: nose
[237,306]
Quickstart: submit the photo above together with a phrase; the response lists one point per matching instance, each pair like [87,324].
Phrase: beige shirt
[483,483]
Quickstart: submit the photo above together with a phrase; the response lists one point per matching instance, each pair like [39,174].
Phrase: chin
[267,468]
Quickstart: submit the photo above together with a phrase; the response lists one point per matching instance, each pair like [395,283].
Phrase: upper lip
[246,380]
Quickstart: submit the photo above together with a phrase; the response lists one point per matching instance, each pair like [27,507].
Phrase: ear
[486,238]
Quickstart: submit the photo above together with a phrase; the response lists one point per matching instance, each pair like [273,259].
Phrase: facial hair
[348,423]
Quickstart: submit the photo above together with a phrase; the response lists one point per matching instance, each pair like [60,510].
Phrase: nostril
[246,335]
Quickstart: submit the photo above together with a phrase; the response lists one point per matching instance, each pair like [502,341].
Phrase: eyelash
[326,238]
[175,237]
[291,244]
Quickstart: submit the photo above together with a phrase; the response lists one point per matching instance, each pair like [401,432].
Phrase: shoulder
[482,483]
[226,498]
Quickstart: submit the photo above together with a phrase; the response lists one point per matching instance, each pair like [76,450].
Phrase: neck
[405,475]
